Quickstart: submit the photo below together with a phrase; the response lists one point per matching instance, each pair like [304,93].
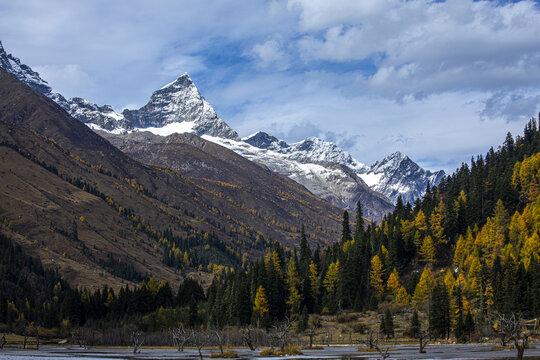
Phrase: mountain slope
[67,190]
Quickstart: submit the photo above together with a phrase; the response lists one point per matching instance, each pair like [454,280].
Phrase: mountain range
[96,214]
[322,167]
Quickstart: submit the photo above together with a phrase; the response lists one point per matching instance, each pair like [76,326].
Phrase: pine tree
[439,312]
[303,323]
[359,225]
[305,254]
[346,232]
[414,327]
[387,324]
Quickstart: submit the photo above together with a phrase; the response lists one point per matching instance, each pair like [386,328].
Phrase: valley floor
[462,351]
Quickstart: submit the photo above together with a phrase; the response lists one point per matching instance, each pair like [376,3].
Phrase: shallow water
[453,352]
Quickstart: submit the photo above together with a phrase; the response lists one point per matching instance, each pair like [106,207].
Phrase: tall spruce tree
[346,231]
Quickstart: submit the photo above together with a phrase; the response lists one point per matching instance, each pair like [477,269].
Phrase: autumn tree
[376,276]
[260,306]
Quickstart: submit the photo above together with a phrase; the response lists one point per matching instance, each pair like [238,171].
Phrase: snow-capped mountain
[180,102]
[322,167]
[394,176]
[397,175]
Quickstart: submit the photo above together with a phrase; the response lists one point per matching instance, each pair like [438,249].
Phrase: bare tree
[77,335]
[247,339]
[511,328]
[25,334]
[422,341]
[37,336]
[383,352]
[371,339]
[180,336]
[137,340]
[280,332]
[200,339]
[311,333]
[218,334]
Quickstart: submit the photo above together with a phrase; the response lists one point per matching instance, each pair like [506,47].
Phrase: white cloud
[271,54]
[424,47]
[511,106]
[443,80]
[65,79]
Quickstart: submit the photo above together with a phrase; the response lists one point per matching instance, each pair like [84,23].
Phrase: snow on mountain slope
[310,150]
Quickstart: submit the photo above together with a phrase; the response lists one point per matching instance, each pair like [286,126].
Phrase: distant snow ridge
[310,150]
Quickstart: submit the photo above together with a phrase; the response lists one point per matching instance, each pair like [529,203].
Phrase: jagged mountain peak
[23,72]
[180,102]
[183,80]
[397,175]
[263,140]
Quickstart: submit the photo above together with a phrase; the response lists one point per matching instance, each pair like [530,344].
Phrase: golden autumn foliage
[428,253]
[393,283]
[376,275]
[330,280]
[260,305]
[423,288]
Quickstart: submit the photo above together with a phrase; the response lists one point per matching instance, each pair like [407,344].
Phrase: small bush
[293,350]
[315,347]
[229,354]
[289,350]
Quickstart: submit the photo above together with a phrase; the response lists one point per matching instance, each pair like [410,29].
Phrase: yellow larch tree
[423,288]
[330,280]
[376,275]
[449,281]
[293,284]
[436,224]
[420,223]
[427,251]
[314,280]
[260,305]
[393,283]
[460,252]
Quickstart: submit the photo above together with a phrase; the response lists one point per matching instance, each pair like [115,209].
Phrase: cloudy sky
[437,80]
